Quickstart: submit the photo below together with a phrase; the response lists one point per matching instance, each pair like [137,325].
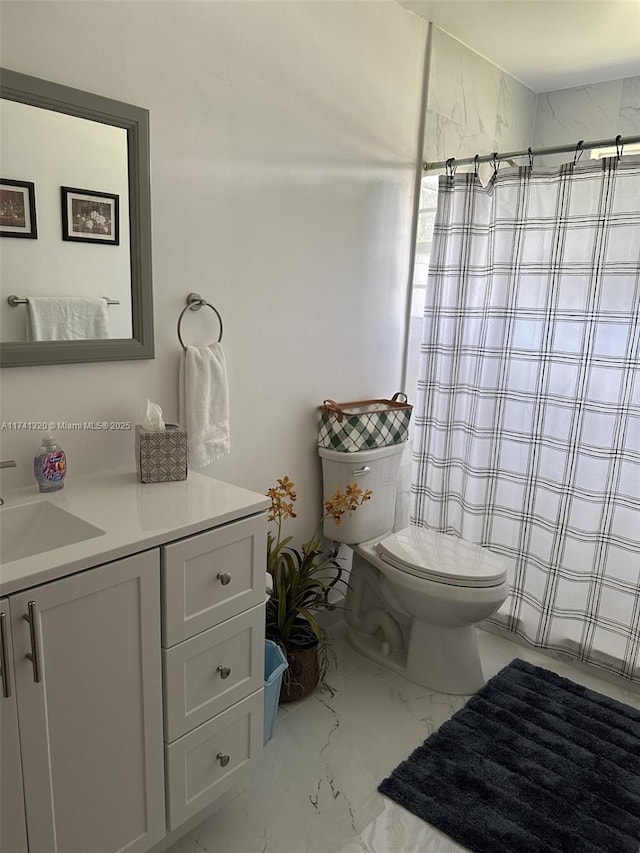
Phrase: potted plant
[302,580]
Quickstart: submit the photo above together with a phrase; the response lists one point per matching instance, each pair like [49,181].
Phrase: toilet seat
[441,557]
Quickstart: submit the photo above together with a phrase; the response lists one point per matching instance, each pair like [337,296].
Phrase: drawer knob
[225,671]
[223,759]
[224,578]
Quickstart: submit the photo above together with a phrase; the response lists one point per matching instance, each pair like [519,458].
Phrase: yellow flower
[282,509]
[283,496]
[340,503]
[287,486]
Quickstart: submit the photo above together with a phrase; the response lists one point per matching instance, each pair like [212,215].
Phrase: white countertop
[135,517]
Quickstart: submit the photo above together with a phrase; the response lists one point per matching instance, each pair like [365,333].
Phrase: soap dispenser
[50,465]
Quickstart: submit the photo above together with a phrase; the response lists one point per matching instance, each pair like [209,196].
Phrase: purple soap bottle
[50,465]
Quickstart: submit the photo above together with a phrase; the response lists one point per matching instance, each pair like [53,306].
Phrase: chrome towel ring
[195,303]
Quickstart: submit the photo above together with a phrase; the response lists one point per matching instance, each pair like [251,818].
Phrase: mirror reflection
[75,222]
[66,179]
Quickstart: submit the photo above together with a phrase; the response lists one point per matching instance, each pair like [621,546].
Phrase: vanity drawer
[195,775]
[212,576]
[210,672]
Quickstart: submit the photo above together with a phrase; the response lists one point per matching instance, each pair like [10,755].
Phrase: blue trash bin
[275,664]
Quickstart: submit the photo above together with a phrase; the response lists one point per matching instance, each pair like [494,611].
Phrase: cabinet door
[89,684]
[13,834]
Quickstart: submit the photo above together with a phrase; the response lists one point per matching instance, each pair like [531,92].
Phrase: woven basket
[364,424]
[303,674]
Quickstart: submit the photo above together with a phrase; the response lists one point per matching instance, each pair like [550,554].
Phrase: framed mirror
[75,218]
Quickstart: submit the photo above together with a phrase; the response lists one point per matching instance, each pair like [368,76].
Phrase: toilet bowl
[416,595]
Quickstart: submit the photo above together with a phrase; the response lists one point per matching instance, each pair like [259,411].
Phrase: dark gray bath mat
[532,764]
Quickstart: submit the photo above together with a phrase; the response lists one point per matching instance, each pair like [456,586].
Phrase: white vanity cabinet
[131,666]
[213,660]
[86,658]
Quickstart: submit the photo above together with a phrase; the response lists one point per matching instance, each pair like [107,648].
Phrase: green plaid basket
[364,424]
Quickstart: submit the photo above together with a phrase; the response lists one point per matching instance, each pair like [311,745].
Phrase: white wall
[593,112]
[473,107]
[476,107]
[283,148]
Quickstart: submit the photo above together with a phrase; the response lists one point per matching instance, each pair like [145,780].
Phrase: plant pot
[303,674]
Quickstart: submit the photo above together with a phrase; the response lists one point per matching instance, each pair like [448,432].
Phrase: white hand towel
[67,318]
[204,404]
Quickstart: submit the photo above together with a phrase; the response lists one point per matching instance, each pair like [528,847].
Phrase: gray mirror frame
[15,86]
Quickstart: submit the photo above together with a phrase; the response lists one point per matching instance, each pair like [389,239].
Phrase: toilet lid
[441,557]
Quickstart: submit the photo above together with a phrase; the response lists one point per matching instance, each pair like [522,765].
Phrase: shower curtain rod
[530,152]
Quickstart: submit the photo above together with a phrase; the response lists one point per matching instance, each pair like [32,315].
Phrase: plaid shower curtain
[527,424]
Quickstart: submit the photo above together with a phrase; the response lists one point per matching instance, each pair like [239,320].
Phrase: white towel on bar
[67,318]
[204,404]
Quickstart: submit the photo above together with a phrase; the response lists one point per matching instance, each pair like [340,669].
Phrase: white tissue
[153,419]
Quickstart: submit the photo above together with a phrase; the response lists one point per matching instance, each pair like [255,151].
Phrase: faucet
[7,463]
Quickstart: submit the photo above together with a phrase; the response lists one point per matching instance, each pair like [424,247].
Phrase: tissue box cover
[161,455]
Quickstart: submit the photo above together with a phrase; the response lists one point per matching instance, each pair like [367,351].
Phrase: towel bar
[195,303]
[17,300]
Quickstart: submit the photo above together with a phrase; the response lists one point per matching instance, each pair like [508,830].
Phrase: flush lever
[359,471]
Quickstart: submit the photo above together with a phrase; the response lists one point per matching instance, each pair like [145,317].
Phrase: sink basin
[33,528]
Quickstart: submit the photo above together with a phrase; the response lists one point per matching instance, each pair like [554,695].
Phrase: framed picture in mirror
[17,209]
[89,216]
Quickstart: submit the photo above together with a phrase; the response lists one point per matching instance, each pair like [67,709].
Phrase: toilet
[414,595]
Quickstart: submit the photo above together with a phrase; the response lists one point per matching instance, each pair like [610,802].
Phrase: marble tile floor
[316,788]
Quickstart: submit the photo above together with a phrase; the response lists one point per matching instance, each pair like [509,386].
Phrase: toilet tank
[376,470]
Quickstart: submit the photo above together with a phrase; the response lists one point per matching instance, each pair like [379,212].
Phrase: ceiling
[546,44]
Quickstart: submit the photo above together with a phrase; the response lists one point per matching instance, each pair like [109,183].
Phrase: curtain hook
[619,146]
[476,165]
[496,163]
[530,153]
[450,167]
[578,153]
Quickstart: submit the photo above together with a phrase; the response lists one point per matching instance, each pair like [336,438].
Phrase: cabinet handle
[4,652]
[224,578]
[34,656]
[225,671]
[223,759]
